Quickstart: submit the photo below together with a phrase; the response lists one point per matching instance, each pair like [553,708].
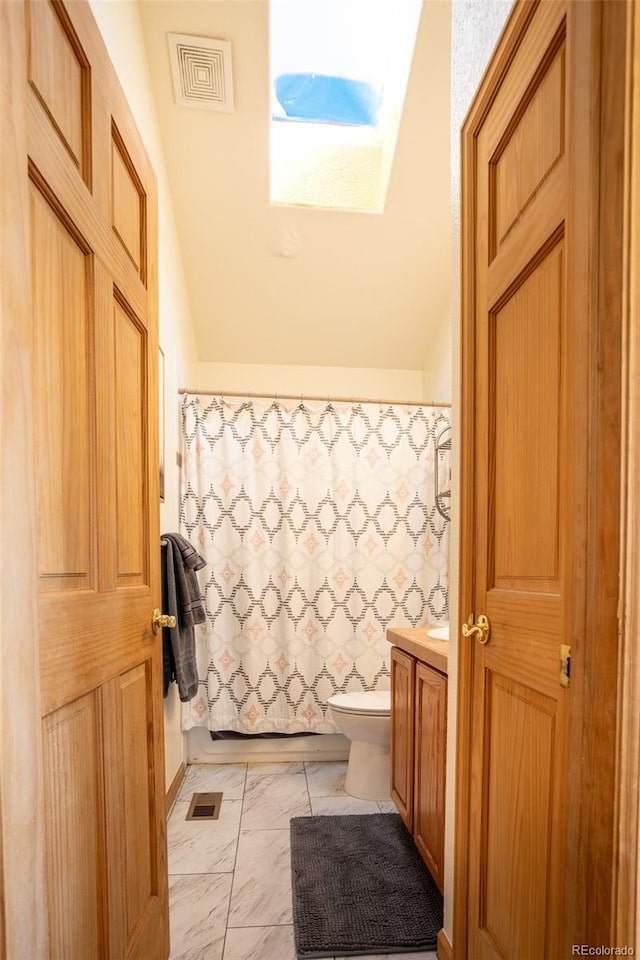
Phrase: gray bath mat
[360,887]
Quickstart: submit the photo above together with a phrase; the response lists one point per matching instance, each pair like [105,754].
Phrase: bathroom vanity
[419,738]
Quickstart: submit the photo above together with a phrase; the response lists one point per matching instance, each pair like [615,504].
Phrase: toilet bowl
[365,718]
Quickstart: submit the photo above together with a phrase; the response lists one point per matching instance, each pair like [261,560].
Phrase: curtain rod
[304,396]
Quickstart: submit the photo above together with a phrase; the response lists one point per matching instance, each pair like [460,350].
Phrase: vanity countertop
[414,640]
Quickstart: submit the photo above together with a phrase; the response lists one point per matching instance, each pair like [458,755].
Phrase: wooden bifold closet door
[90,194]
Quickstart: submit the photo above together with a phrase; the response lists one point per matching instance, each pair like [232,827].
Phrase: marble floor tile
[338,806]
[226,778]
[387,806]
[271,769]
[198,912]
[326,779]
[260,943]
[230,879]
[261,894]
[270,801]
[205,846]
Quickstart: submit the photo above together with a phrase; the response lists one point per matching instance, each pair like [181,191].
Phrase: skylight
[339,72]
[314,97]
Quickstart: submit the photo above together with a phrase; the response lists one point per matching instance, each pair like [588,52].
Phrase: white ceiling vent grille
[201,70]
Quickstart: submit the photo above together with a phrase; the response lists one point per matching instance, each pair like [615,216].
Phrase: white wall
[278,284]
[294,381]
[437,369]
[119,23]
[475,28]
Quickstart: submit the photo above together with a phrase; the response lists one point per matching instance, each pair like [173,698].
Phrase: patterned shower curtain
[319,526]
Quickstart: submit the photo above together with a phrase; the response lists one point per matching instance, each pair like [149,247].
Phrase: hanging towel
[182,599]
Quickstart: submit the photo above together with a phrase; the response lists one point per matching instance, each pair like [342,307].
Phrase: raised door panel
[430,768]
[533,144]
[128,210]
[134,815]
[131,393]
[403,669]
[518,773]
[59,73]
[75,843]
[526,402]
[61,271]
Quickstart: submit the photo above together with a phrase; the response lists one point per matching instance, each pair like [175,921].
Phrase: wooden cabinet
[430,733]
[418,754]
[403,683]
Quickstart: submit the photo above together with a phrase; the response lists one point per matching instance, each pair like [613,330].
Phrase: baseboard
[174,787]
[445,950]
[202,749]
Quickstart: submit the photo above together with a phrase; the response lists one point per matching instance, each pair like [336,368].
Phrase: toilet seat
[367,703]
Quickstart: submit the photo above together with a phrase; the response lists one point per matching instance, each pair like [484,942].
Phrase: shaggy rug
[360,887]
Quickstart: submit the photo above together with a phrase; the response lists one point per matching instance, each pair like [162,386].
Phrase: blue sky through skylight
[328,59]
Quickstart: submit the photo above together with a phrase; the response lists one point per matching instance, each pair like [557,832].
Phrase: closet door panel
[132,506]
[132,851]
[59,74]
[64,397]
[75,850]
[128,210]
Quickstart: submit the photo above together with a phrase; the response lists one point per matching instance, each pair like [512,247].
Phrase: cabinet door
[430,754]
[403,669]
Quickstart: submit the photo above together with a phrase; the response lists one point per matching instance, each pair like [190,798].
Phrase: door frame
[23,904]
[595,276]
[627,924]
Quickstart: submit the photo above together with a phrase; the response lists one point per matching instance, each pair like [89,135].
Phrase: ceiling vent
[201,70]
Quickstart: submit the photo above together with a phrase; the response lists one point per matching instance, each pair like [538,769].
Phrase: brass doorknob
[481,629]
[161,620]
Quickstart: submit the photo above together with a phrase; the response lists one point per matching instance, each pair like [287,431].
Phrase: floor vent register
[204,806]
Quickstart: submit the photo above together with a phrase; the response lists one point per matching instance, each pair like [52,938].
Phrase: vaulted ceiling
[290,285]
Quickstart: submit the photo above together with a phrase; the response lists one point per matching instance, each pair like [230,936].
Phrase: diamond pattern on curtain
[319,526]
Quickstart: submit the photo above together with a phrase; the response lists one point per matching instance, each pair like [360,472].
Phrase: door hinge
[565,664]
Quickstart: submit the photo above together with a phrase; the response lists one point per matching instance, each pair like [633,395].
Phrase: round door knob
[160,620]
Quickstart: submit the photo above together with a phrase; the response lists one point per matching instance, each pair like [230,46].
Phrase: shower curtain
[319,526]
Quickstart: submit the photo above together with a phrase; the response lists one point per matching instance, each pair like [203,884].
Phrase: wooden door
[403,672]
[89,194]
[530,346]
[430,768]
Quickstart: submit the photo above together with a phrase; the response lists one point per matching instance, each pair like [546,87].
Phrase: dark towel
[183,600]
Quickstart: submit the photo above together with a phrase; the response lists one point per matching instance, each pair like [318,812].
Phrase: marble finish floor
[230,879]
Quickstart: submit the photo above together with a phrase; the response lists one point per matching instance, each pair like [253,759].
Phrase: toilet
[365,718]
